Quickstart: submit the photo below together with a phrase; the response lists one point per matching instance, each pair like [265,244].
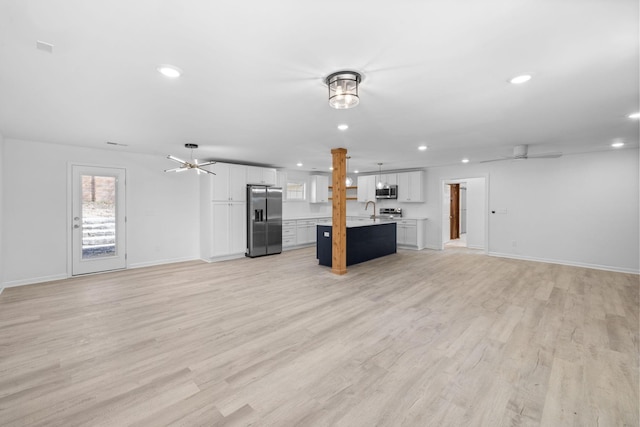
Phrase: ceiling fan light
[343,89]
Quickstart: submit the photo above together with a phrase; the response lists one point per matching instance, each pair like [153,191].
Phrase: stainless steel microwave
[387,192]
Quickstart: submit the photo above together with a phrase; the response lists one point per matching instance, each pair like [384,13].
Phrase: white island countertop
[353,224]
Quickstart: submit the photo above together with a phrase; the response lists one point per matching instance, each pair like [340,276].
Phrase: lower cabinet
[288,234]
[228,234]
[300,232]
[410,233]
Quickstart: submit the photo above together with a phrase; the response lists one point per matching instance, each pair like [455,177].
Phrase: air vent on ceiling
[44,46]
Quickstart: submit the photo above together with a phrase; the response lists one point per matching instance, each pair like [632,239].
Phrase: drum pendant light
[343,89]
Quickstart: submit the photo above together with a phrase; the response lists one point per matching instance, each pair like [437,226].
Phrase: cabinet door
[220,229]
[367,188]
[254,175]
[319,189]
[411,235]
[237,183]
[269,176]
[237,228]
[311,233]
[301,234]
[410,186]
[220,182]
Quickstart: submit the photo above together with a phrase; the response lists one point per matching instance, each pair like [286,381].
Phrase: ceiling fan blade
[545,156]
[496,160]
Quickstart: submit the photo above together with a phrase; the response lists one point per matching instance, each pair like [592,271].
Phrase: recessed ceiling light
[520,79]
[343,127]
[422,148]
[169,71]
[331,168]
[356,171]
[465,160]
[617,144]
[634,116]
[299,164]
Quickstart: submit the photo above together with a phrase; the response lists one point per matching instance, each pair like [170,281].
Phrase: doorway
[454,211]
[98,237]
[464,225]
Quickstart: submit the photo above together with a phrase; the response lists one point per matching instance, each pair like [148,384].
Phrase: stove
[390,213]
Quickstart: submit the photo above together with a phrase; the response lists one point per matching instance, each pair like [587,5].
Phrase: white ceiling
[435,72]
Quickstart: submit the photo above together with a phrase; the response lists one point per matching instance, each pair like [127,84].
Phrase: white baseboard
[161,262]
[35,280]
[224,257]
[563,262]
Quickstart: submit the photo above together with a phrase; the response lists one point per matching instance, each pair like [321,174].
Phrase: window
[296,190]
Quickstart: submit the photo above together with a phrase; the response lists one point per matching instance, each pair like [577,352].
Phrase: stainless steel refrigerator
[264,220]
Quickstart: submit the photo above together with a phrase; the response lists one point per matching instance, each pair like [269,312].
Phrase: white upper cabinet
[367,188]
[229,182]
[262,176]
[410,186]
[319,189]
[387,179]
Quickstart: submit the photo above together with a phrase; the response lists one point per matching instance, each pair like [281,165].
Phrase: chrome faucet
[366,206]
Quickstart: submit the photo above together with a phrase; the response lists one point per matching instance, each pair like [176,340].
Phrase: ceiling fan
[193,164]
[520,152]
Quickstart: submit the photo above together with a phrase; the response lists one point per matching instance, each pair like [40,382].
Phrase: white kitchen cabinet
[229,183]
[388,178]
[410,186]
[319,189]
[367,188]
[305,231]
[410,233]
[228,236]
[289,237]
[261,176]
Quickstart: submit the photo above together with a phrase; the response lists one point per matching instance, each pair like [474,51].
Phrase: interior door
[454,212]
[98,219]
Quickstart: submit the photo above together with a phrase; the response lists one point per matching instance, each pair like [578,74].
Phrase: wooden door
[454,212]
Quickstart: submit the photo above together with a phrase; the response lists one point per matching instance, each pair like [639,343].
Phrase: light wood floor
[451,338]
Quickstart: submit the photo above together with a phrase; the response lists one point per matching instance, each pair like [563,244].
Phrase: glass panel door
[98,219]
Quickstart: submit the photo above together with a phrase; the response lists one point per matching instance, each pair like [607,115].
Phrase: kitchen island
[365,241]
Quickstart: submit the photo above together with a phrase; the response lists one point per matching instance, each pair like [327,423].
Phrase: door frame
[443,219]
[70,166]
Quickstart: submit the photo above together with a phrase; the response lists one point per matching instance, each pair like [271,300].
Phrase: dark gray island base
[364,242]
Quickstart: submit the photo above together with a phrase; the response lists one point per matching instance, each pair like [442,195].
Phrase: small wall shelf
[352,187]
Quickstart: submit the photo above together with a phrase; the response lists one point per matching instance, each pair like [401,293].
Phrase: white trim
[569,263]
[35,280]
[1,289]
[224,257]
[445,181]
[161,262]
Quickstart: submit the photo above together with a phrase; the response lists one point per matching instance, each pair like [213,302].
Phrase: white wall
[162,209]
[578,209]
[299,209]
[2,240]
[476,211]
